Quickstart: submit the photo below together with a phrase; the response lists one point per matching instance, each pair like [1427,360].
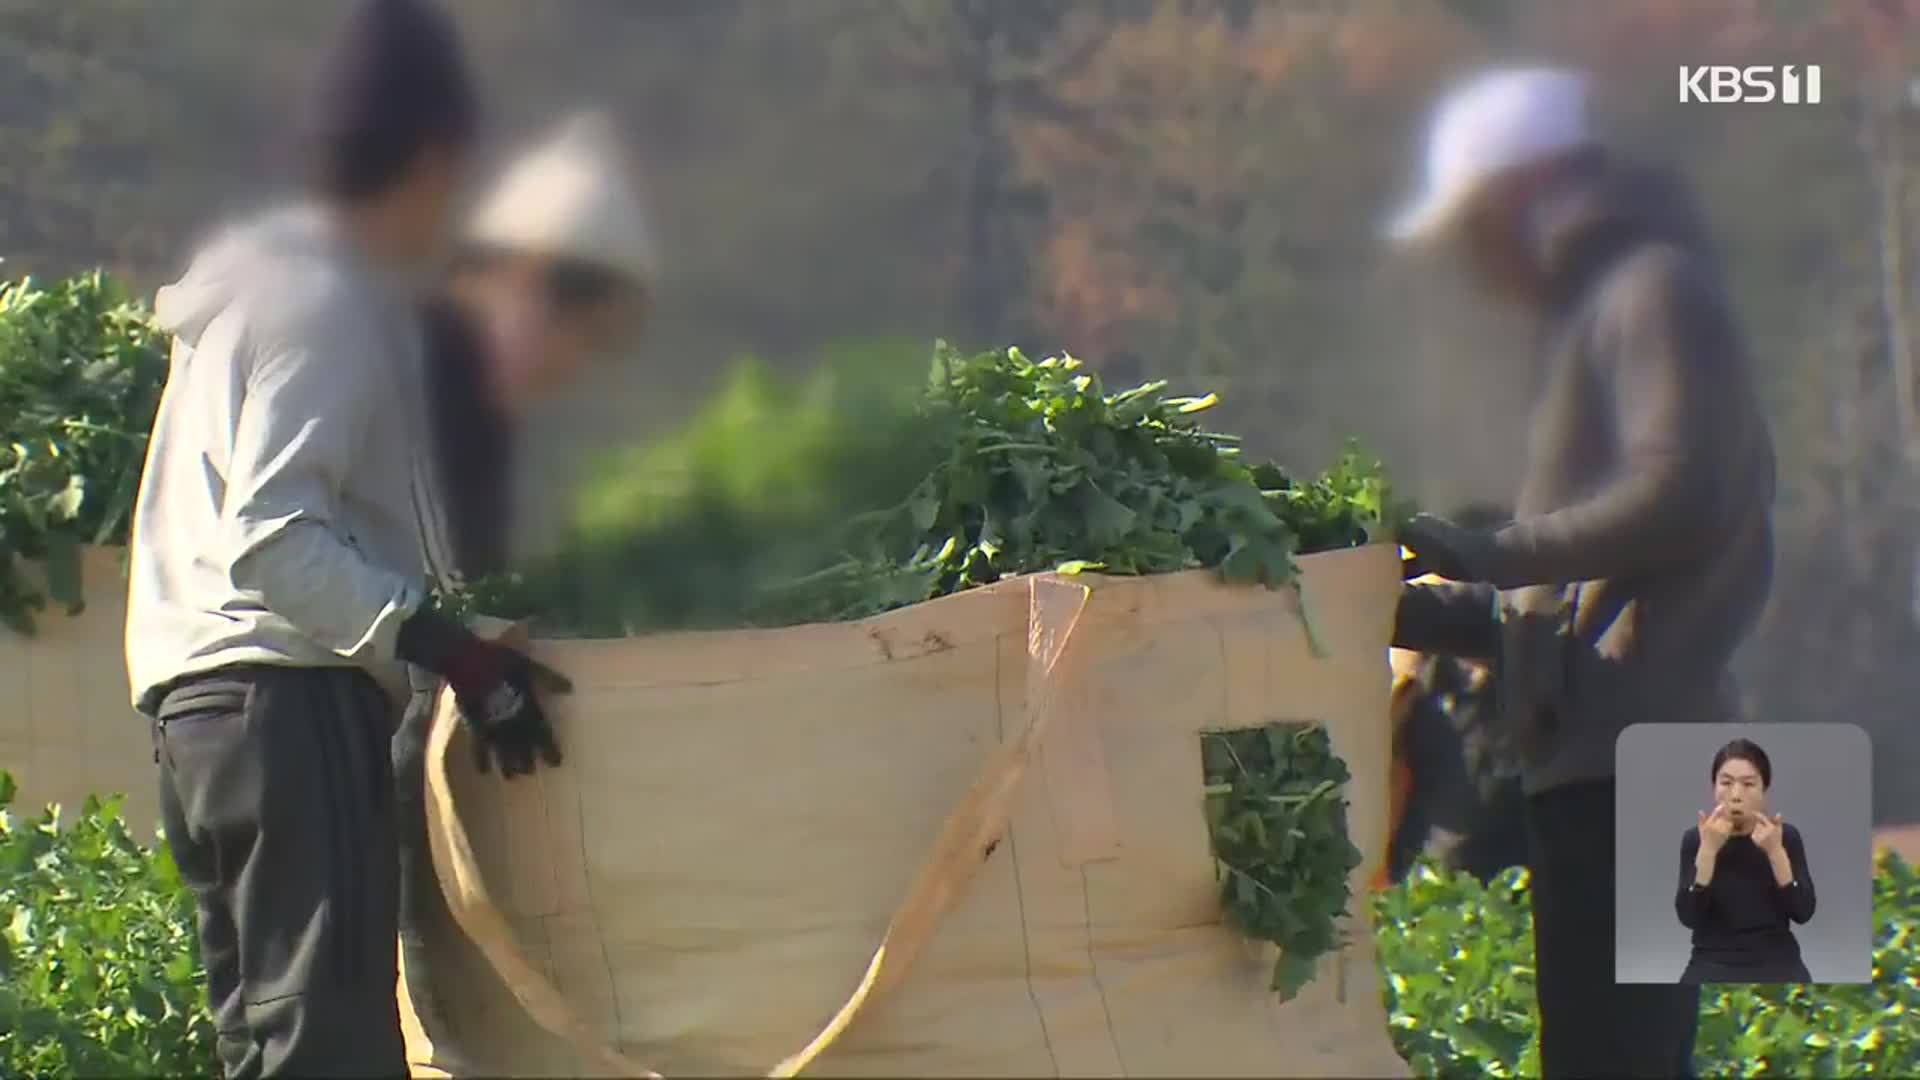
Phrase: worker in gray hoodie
[1641,547]
[281,561]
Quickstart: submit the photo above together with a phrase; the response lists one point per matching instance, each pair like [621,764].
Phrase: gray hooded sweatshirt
[280,514]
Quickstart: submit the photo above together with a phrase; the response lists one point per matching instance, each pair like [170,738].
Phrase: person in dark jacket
[1641,550]
[1743,879]
[555,268]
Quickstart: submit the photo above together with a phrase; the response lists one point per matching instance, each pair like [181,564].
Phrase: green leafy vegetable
[85,913]
[1457,960]
[81,368]
[845,496]
[99,971]
[739,518]
[1277,813]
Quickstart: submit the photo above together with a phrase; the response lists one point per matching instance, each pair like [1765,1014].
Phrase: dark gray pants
[423,910]
[278,807]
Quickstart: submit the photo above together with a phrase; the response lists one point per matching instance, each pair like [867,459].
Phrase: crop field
[873,483]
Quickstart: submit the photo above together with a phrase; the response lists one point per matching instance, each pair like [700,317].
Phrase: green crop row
[81,367]
[1457,958]
[99,974]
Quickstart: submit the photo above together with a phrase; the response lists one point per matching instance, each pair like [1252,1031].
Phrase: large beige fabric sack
[1004,785]
[67,729]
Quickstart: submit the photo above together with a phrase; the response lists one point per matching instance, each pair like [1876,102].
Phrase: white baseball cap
[1496,121]
[572,196]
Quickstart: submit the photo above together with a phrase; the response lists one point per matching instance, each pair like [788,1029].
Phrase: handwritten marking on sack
[933,641]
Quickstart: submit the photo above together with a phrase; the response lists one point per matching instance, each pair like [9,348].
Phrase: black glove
[493,686]
[1452,551]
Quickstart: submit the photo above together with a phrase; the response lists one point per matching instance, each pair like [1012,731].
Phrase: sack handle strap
[967,837]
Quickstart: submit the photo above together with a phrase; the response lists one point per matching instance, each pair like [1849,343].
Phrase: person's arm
[1796,893]
[470,438]
[1446,618]
[1691,902]
[310,394]
[1662,344]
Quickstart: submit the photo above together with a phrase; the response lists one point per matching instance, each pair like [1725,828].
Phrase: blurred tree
[82,93]
[1225,226]
[1002,63]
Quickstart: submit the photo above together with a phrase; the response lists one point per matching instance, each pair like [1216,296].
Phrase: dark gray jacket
[1641,554]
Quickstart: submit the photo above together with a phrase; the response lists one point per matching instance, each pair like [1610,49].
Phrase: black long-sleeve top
[1740,919]
[473,441]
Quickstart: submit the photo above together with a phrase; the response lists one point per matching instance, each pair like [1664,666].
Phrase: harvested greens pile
[81,367]
[1277,813]
[848,494]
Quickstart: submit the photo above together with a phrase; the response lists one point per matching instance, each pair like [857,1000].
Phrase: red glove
[493,686]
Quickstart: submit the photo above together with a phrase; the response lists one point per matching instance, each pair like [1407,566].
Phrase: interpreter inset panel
[1745,854]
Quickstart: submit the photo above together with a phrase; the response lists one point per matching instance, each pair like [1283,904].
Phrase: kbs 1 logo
[1788,84]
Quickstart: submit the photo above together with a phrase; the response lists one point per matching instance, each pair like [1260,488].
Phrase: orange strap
[1406,690]
[968,836]
[1401,786]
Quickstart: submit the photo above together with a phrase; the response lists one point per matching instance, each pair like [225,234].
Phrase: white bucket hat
[572,196]
[1497,121]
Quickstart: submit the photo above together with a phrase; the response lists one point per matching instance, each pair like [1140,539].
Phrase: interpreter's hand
[1715,828]
[1452,551]
[1768,834]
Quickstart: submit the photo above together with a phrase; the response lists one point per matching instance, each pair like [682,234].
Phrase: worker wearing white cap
[557,267]
[1641,550]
